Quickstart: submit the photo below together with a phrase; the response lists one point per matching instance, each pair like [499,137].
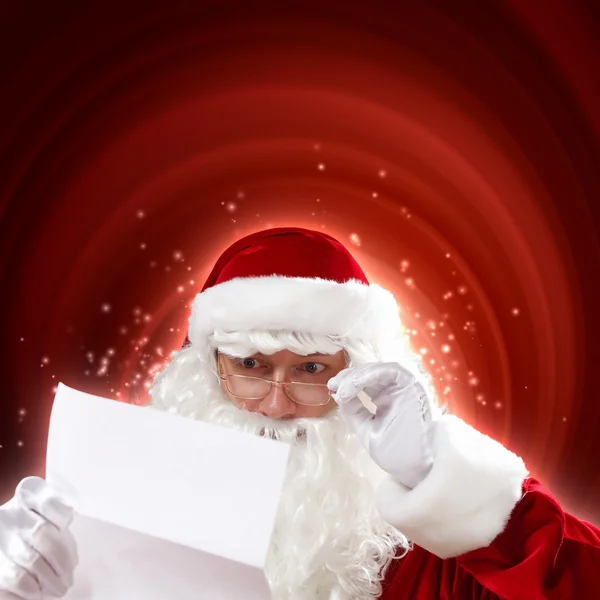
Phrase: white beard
[329,541]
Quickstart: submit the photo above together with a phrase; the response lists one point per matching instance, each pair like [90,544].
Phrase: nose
[277,404]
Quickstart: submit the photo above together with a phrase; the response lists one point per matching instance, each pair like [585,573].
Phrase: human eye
[313,367]
[248,362]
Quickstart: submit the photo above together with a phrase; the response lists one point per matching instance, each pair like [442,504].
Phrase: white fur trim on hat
[318,306]
[465,501]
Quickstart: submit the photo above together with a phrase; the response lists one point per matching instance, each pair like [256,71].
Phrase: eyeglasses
[257,388]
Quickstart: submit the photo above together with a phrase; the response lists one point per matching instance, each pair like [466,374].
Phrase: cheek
[239,403]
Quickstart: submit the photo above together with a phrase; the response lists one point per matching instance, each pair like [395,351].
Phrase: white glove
[397,436]
[38,554]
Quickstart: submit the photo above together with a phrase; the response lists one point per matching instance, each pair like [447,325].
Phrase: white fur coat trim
[319,306]
[466,499]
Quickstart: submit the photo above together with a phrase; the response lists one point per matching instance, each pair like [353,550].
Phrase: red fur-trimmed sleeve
[543,553]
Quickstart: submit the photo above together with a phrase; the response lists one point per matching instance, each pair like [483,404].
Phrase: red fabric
[543,554]
[286,251]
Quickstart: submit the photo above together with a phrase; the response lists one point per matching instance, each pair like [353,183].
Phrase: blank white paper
[167,507]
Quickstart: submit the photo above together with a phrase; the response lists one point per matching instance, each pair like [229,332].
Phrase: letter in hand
[38,553]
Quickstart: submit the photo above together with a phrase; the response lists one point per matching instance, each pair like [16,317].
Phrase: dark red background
[454,147]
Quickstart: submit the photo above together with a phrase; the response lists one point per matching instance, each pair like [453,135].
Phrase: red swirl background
[454,147]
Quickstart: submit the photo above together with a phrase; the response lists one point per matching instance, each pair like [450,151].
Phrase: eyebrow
[303,356]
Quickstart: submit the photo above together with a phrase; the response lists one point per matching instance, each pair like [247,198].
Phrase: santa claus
[386,495]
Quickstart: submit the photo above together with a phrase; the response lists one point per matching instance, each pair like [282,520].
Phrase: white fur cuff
[466,499]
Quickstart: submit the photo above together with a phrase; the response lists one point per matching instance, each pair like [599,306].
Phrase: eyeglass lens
[251,388]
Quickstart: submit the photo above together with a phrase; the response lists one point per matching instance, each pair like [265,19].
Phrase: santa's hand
[37,552]
[397,437]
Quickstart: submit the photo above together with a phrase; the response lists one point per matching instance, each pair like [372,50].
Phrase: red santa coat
[473,543]
[544,553]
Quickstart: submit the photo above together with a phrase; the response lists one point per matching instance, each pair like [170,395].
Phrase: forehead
[289,355]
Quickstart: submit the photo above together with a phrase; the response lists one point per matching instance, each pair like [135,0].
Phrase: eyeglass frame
[271,382]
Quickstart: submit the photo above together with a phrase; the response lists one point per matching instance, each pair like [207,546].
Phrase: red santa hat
[292,279]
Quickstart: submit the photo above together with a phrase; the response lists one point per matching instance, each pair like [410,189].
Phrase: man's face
[284,366]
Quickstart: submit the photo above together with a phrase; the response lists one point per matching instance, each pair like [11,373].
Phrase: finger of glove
[23,554]
[346,390]
[14,579]
[334,383]
[379,381]
[14,517]
[401,408]
[36,495]
[404,433]
[345,381]
[57,547]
